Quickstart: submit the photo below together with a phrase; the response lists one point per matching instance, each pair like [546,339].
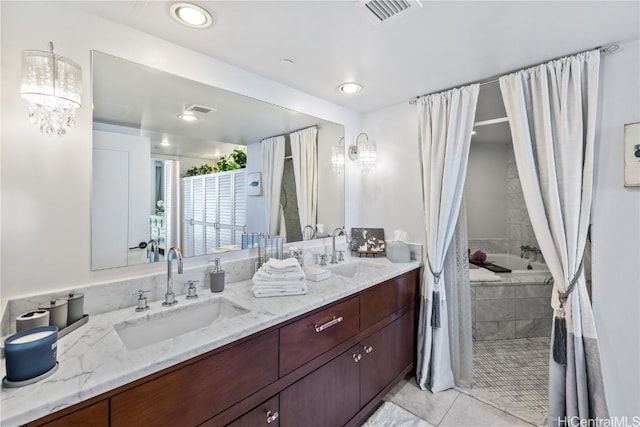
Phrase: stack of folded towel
[278,278]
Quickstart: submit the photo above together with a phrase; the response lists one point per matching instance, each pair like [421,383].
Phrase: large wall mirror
[201,184]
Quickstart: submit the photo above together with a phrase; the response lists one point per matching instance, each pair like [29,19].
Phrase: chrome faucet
[341,231]
[313,232]
[152,251]
[170,297]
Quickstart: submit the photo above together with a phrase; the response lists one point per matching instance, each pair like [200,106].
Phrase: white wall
[46,181]
[390,196]
[616,235]
[485,191]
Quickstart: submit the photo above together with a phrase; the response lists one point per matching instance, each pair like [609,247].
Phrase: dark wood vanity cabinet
[330,367]
[94,415]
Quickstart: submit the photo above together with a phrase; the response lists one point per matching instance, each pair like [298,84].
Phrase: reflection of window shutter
[214,211]
[239,205]
[198,214]
[211,217]
[187,215]
[225,201]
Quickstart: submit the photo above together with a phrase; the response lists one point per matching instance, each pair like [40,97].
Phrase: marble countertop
[93,359]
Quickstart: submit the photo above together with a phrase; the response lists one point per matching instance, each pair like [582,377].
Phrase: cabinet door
[265,415]
[194,393]
[385,355]
[328,396]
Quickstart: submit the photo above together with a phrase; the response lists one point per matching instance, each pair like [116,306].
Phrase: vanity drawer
[311,336]
[266,414]
[199,391]
[387,298]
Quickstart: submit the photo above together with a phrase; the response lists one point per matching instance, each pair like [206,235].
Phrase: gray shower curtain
[552,115]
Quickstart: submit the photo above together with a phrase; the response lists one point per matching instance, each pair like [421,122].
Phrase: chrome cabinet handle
[330,323]
[367,349]
[357,357]
[271,417]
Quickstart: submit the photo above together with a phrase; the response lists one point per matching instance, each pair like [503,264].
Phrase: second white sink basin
[161,326]
[354,268]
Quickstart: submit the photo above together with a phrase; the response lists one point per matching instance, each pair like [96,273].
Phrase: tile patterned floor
[510,389]
[449,408]
[513,375]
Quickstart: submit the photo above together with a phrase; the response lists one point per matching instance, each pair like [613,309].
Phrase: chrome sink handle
[142,300]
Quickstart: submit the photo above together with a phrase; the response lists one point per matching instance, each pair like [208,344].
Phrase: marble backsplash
[115,295]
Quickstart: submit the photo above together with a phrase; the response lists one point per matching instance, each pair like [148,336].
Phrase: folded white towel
[261,289]
[483,275]
[262,293]
[278,277]
[281,264]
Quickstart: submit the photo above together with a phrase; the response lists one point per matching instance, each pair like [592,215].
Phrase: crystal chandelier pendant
[52,85]
[337,157]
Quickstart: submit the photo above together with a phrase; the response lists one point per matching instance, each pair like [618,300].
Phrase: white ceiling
[132,95]
[442,44]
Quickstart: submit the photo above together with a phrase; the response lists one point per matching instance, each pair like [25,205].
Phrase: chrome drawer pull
[271,417]
[368,349]
[357,357]
[329,324]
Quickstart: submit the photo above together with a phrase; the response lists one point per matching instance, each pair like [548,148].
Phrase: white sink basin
[354,268]
[164,325]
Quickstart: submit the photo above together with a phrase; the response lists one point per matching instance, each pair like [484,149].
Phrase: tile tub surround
[93,359]
[511,309]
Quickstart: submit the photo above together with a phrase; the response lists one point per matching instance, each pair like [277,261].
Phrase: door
[328,396]
[120,199]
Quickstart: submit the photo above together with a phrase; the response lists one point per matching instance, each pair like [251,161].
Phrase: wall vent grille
[385,9]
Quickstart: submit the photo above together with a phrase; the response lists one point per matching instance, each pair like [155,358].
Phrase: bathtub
[517,265]
[515,306]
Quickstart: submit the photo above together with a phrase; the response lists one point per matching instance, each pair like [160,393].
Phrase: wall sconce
[337,156]
[52,85]
[364,151]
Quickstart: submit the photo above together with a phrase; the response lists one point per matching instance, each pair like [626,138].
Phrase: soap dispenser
[216,277]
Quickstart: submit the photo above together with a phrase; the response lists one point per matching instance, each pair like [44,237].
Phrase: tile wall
[508,310]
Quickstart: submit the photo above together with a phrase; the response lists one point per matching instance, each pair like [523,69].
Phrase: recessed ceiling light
[350,87]
[188,117]
[191,15]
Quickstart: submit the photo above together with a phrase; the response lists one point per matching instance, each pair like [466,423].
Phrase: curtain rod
[495,78]
[293,131]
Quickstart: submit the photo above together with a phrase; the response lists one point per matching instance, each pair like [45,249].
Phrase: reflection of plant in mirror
[200,170]
[225,164]
[236,160]
[239,156]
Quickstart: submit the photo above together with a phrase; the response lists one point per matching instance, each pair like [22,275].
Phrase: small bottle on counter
[216,277]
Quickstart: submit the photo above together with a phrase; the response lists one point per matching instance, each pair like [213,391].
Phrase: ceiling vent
[378,11]
[200,109]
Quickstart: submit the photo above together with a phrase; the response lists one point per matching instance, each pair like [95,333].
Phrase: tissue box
[398,252]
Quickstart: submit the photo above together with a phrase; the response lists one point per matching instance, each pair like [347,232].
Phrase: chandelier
[337,156]
[52,85]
